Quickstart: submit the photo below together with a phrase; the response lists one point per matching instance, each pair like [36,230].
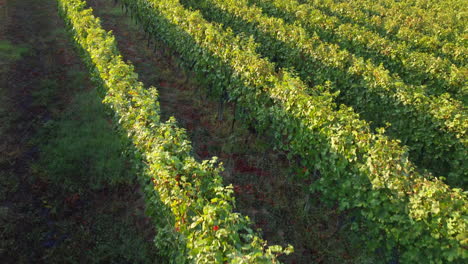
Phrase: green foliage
[358,169]
[433,126]
[191,209]
[417,68]
[429,26]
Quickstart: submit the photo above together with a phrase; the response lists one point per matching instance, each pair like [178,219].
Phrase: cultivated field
[233,131]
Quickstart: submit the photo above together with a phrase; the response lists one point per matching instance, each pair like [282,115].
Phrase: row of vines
[432,126]
[323,97]
[418,68]
[399,207]
[430,26]
[192,211]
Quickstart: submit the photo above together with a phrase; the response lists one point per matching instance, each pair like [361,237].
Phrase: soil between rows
[45,97]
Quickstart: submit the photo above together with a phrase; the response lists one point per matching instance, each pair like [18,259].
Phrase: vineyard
[234,131]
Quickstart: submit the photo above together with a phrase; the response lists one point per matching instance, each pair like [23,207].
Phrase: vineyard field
[234,131]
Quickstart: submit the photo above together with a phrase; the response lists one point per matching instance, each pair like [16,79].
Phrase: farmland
[221,131]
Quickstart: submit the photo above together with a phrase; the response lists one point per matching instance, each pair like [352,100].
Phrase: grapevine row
[434,127]
[400,208]
[431,18]
[416,68]
[399,30]
[191,209]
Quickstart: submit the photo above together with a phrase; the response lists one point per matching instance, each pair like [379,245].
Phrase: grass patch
[10,52]
[81,150]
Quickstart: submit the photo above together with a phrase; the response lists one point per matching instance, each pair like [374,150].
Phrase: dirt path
[40,220]
[261,176]
[29,58]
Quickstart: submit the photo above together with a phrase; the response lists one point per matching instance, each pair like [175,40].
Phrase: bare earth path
[41,221]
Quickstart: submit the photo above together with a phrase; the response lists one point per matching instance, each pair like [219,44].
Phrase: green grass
[81,149]
[10,52]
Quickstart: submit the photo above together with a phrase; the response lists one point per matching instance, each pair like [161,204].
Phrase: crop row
[428,16]
[400,209]
[191,209]
[417,68]
[434,127]
[390,21]
[438,18]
